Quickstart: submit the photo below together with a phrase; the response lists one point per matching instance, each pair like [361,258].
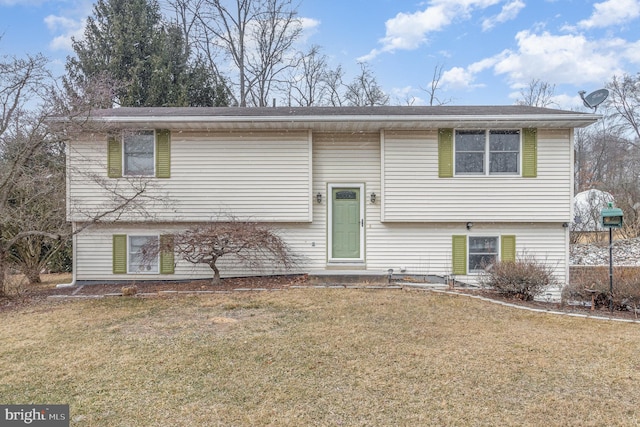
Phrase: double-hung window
[143,254]
[487,152]
[483,252]
[474,254]
[139,153]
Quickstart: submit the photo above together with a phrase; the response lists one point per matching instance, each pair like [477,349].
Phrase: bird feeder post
[611,218]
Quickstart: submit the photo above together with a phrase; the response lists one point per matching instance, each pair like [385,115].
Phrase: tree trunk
[33,276]
[216,274]
[3,274]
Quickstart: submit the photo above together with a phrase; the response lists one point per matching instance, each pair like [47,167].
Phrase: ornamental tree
[251,244]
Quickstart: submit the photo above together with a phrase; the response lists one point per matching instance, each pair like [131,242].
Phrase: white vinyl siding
[346,159]
[425,249]
[258,175]
[337,158]
[94,248]
[413,192]
[274,176]
[421,249]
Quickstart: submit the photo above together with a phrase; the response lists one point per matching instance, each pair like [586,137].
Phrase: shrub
[12,286]
[593,282]
[524,278]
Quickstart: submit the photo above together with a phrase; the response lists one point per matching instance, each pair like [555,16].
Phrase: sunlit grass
[318,357]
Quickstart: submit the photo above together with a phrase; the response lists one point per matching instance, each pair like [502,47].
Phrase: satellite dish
[594,98]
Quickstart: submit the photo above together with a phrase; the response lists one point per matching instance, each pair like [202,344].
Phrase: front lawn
[318,357]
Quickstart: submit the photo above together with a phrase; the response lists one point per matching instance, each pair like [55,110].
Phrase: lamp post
[611,218]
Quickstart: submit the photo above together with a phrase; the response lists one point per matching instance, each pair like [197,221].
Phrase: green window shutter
[119,254]
[445,153]
[114,157]
[163,153]
[508,248]
[167,265]
[529,153]
[459,255]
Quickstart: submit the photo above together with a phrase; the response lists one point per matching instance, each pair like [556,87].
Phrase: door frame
[361,189]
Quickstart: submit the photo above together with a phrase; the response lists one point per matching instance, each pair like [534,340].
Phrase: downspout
[73,260]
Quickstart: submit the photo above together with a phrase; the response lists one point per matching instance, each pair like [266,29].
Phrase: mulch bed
[225,285]
[598,311]
[33,294]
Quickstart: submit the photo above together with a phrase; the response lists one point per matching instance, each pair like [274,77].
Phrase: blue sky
[488,49]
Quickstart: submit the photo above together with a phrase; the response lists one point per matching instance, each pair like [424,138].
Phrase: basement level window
[483,252]
[143,254]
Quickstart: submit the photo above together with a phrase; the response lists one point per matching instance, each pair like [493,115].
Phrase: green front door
[346,223]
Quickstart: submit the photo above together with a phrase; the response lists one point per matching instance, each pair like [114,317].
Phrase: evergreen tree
[127,44]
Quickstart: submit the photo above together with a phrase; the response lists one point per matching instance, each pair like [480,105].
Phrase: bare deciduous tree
[251,244]
[364,90]
[36,120]
[606,159]
[185,16]
[624,99]
[23,81]
[306,86]
[537,94]
[333,79]
[434,87]
[36,202]
[256,35]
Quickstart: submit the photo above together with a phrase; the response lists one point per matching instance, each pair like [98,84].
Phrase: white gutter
[591,118]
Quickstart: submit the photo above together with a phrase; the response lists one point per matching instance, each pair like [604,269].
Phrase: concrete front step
[342,277]
[372,277]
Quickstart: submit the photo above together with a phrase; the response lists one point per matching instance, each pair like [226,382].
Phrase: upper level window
[139,157]
[499,149]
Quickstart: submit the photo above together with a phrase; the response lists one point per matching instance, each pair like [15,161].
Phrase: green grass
[319,357]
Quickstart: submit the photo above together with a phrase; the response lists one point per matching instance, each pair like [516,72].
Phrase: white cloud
[561,58]
[68,22]
[458,78]
[406,96]
[309,24]
[69,28]
[612,12]
[408,31]
[509,11]
[557,59]
[632,52]
[309,28]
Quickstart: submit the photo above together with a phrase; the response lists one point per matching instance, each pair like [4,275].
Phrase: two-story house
[420,190]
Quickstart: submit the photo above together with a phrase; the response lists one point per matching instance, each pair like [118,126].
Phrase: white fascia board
[563,120]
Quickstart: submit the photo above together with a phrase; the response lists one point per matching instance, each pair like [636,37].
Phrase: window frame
[130,254]
[124,136]
[497,238]
[487,154]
